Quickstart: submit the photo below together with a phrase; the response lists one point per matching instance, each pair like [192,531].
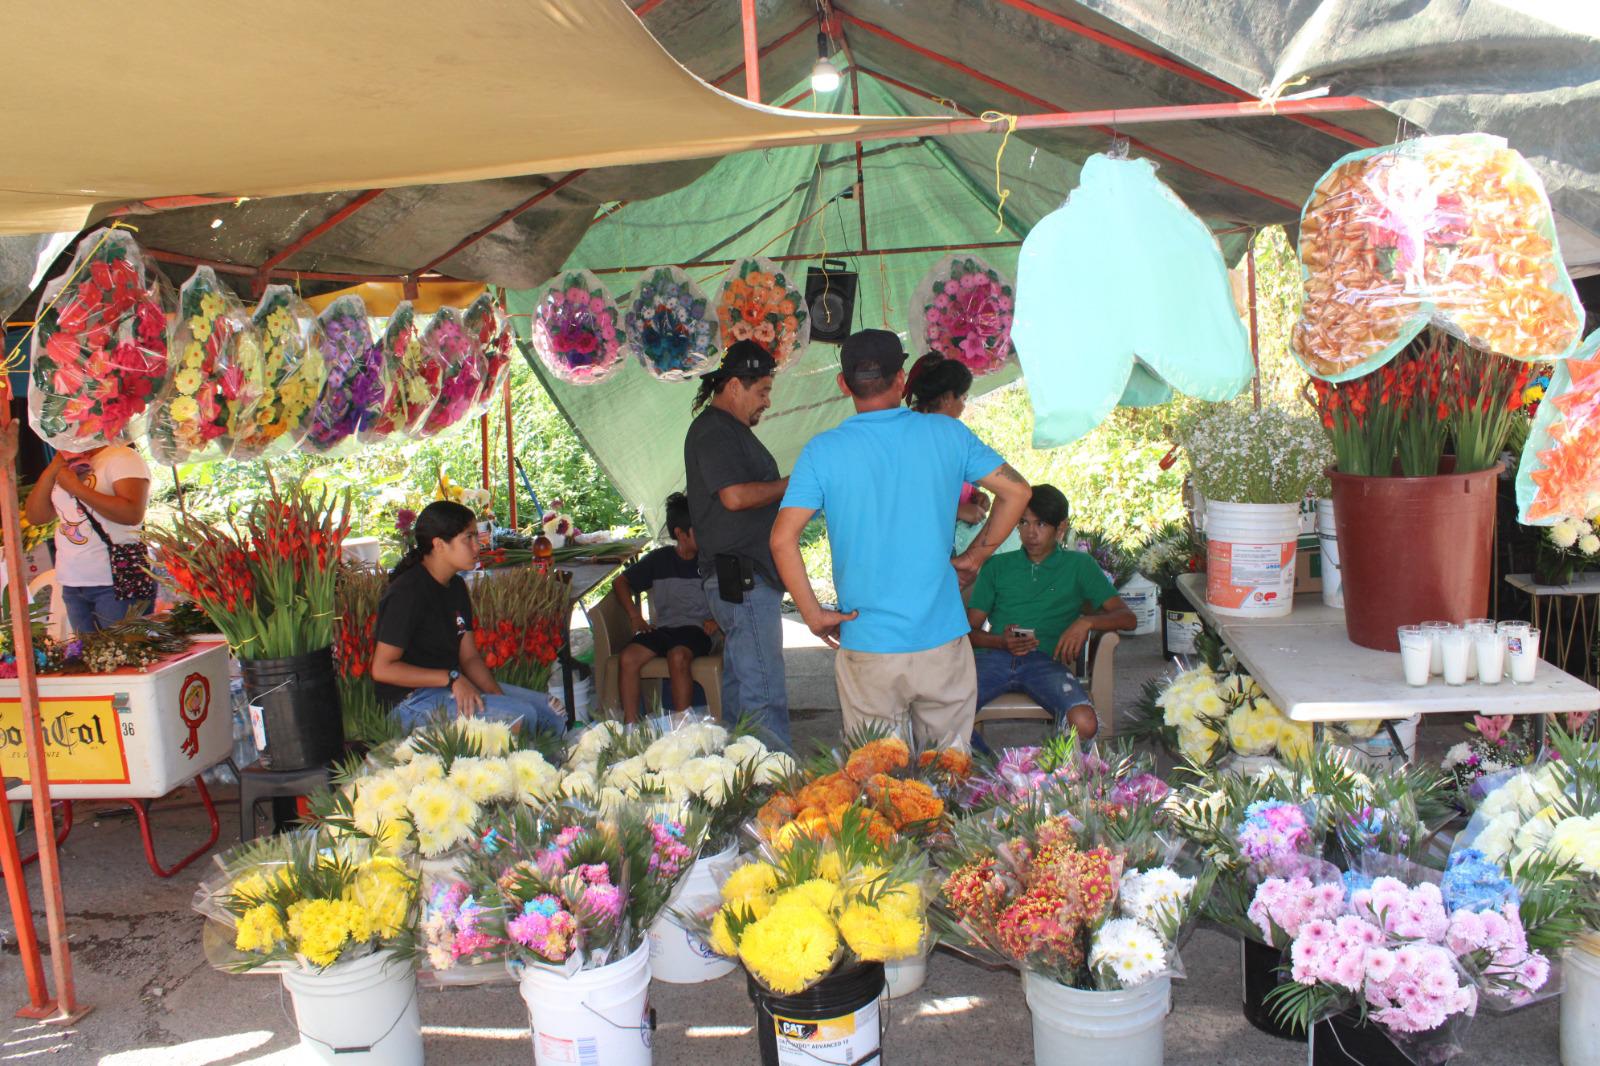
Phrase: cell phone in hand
[1028,633]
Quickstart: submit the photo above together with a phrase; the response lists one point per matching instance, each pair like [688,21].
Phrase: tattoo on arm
[1011,475]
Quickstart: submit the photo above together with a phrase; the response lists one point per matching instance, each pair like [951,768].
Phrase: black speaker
[831,299]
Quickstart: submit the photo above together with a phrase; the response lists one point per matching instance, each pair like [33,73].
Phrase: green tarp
[919,193]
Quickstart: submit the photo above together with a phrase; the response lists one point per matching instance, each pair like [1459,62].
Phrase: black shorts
[662,641]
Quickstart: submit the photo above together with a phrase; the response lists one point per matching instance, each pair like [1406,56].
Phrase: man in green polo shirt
[1041,604]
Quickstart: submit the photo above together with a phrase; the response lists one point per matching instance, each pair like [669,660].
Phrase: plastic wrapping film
[283,372]
[1559,475]
[759,302]
[492,330]
[962,309]
[356,376]
[1123,296]
[577,329]
[207,396]
[410,397]
[452,366]
[99,356]
[671,326]
[1456,231]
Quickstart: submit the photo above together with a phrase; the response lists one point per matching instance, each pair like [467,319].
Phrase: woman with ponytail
[426,658]
[939,386]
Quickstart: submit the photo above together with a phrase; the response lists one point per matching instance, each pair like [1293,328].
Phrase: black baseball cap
[746,360]
[870,355]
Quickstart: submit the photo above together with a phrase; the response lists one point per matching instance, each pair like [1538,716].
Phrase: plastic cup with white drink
[1522,650]
[1457,649]
[1436,650]
[1416,650]
[1488,650]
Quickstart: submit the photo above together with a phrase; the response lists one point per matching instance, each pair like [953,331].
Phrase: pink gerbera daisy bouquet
[576,889]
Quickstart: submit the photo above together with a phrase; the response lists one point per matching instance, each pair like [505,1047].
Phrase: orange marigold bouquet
[897,793]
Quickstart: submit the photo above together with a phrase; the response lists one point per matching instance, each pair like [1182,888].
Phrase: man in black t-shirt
[734,489]
[683,625]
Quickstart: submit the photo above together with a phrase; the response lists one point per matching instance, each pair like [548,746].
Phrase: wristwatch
[454,675]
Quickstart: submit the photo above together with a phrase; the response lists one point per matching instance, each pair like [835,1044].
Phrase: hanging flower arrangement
[452,366]
[669,325]
[207,395]
[575,329]
[759,303]
[963,311]
[283,374]
[100,350]
[357,376]
[493,333]
[411,397]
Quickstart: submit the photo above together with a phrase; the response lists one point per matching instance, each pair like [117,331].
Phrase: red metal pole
[861,180]
[66,1004]
[766,50]
[483,445]
[752,51]
[511,459]
[501,221]
[1104,121]
[318,230]
[1183,70]
[1255,339]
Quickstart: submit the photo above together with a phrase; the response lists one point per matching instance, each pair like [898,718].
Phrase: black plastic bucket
[300,711]
[1339,1041]
[835,1021]
[1261,975]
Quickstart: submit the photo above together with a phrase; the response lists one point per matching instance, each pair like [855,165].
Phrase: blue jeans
[752,659]
[533,708]
[92,607]
[1045,681]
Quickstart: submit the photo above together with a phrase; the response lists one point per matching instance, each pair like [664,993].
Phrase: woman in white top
[108,486]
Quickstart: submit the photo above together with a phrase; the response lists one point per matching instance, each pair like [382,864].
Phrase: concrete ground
[137,958]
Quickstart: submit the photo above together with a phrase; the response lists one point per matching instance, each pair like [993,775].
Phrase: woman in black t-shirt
[426,658]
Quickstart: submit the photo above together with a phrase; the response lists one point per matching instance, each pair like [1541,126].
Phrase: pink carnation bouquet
[577,329]
[963,310]
[452,365]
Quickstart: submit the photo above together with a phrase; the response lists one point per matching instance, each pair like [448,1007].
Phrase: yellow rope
[1001,193]
[12,361]
[1269,100]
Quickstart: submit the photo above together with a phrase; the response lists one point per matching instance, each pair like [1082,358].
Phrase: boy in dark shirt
[684,626]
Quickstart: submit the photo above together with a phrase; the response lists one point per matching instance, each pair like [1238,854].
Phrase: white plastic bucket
[598,1017]
[1379,748]
[1250,549]
[1143,598]
[1328,538]
[363,1011]
[905,976]
[1072,1027]
[679,956]
[1580,1003]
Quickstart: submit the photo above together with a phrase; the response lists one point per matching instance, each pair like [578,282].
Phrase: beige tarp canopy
[108,101]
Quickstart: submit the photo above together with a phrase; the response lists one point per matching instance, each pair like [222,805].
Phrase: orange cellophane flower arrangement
[878,777]
[267,585]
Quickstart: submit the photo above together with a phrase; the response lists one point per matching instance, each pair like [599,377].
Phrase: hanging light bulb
[824,76]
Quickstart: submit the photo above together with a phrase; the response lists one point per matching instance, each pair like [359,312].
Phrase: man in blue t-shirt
[888,481]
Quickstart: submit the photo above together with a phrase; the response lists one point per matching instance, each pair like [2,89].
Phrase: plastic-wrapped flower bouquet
[823,908]
[305,900]
[669,325]
[208,393]
[452,365]
[576,329]
[356,386]
[100,350]
[285,374]
[963,310]
[760,303]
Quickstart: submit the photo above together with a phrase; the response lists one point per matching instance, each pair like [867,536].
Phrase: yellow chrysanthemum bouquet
[1203,715]
[284,374]
[823,906]
[433,793]
[307,901]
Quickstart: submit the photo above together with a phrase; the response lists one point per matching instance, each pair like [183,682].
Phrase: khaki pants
[936,689]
